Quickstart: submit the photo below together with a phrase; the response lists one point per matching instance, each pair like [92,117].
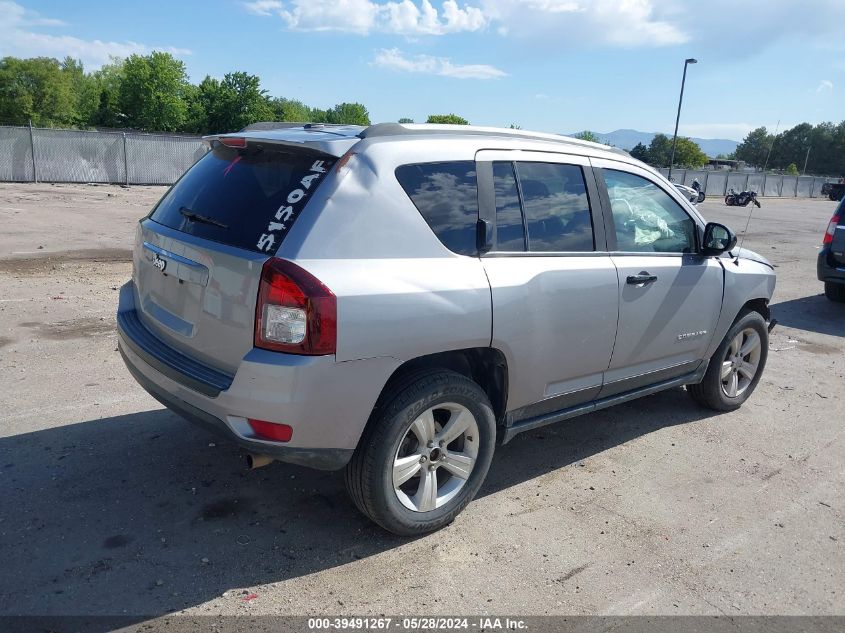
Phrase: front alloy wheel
[739,367]
[736,366]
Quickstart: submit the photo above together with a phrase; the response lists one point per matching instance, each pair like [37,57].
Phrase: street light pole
[678,118]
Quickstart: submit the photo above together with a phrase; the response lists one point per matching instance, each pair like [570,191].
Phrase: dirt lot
[111,505]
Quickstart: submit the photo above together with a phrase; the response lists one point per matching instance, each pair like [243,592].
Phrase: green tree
[586,135]
[640,152]
[660,150]
[349,114]
[319,116]
[755,147]
[791,146]
[290,110]
[39,89]
[106,83]
[453,119]
[689,154]
[153,92]
[514,126]
[405,120]
[791,169]
[84,89]
[234,103]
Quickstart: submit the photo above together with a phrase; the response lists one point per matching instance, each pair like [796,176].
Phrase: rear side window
[557,212]
[446,195]
[510,232]
[245,197]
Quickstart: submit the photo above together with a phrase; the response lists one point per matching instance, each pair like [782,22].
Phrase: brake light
[233,141]
[831,229]
[295,312]
[272,431]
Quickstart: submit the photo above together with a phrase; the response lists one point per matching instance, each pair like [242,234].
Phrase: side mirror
[718,239]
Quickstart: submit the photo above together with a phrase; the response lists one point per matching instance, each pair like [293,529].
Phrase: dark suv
[831,264]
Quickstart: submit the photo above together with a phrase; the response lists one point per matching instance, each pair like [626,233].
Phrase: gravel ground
[111,505]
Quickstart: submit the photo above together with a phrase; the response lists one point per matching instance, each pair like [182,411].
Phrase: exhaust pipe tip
[257,461]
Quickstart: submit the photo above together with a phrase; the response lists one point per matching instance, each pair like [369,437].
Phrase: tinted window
[646,219]
[446,195]
[557,212]
[248,198]
[510,233]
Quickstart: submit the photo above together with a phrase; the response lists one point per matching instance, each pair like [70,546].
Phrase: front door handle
[643,278]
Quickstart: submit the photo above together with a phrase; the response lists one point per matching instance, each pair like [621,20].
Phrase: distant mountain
[626,139]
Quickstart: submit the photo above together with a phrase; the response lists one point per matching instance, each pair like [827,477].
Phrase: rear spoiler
[317,139]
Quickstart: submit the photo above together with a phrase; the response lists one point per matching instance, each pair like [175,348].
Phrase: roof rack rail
[396,129]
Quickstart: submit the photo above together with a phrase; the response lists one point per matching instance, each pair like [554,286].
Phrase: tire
[835,292]
[701,197]
[729,200]
[395,431]
[713,391]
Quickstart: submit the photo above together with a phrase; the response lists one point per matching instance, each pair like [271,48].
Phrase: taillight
[831,229]
[295,312]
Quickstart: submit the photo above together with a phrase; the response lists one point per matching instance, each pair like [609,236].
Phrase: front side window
[557,211]
[446,195]
[646,219]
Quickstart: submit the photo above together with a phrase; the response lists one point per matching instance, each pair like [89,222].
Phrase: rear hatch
[198,256]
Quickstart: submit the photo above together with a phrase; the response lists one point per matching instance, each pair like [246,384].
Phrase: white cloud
[394,59]
[404,17]
[568,23]
[18,38]
[564,22]
[264,7]
[825,85]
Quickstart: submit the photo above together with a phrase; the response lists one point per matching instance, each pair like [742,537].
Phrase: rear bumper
[327,403]
[828,269]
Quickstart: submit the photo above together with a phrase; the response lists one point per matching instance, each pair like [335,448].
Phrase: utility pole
[687,62]
[806,158]
[774,138]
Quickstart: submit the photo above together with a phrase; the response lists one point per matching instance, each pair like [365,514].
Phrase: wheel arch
[486,366]
[761,305]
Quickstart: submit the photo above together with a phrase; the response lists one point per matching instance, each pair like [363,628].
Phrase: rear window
[446,195]
[246,197]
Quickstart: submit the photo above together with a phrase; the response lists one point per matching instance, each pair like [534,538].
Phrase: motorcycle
[734,199]
[697,186]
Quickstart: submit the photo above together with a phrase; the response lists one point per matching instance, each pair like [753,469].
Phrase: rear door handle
[643,278]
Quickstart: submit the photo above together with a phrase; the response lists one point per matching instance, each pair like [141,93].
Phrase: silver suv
[395,299]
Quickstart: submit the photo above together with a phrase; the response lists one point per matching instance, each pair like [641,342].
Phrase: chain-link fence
[719,183]
[132,158]
[50,155]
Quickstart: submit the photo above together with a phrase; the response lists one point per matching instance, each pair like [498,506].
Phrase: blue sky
[550,65]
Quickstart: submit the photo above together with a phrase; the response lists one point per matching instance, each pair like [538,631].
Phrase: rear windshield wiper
[196,217]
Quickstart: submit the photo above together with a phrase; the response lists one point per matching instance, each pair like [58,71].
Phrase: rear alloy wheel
[424,454]
[834,292]
[442,439]
[736,366]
